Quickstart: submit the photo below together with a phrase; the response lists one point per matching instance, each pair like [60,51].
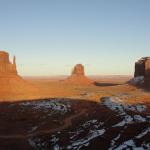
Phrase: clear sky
[49,37]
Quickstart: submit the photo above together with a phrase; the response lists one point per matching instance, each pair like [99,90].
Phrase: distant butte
[78,76]
[12,86]
[6,67]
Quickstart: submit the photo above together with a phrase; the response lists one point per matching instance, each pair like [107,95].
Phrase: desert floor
[54,87]
[110,114]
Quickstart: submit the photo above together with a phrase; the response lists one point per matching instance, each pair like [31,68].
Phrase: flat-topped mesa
[78,76]
[6,67]
[142,69]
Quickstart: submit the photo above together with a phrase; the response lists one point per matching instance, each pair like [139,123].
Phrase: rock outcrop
[142,71]
[78,76]
[12,86]
[78,70]
[6,67]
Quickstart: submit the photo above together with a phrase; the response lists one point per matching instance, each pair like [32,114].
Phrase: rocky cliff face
[78,76]
[142,69]
[6,67]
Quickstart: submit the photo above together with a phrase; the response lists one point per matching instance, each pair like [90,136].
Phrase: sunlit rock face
[12,86]
[142,69]
[78,70]
[6,67]
[78,76]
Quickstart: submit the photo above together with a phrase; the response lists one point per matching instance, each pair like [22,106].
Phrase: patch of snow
[146,131]
[127,120]
[122,109]
[56,147]
[54,139]
[139,118]
[110,102]
[115,139]
[137,80]
[125,145]
[114,104]
[95,130]
[53,105]
[88,123]
[84,141]
[130,144]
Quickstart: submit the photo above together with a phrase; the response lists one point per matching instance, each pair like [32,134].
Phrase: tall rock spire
[14,63]
[14,60]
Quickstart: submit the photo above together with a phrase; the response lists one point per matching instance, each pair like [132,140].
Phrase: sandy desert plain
[54,87]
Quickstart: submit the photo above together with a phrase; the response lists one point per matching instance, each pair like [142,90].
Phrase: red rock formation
[142,68]
[78,70]
[12,86]
[78,76]
[6,67]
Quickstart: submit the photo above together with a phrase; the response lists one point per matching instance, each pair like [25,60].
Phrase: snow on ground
[94,132]
[143,133]
[91,130]
[53,105]
[131,143]
[114,104]
[137,80]
[85,141]
[83,134]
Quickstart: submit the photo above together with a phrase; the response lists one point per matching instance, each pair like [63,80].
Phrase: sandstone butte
[78,76]
[142,68]
[12,86]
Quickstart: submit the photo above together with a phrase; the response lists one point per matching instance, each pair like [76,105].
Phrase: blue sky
[49,37]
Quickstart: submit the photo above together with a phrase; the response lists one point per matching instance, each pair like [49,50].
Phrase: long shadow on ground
[73,124]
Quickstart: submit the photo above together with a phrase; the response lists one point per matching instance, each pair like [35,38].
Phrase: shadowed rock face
[6,67]
[142,68]
[78,76]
